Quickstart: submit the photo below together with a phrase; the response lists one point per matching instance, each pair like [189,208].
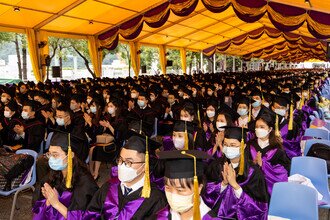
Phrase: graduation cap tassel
[146,190]
[196,213]
[250,110]
[290,126]
[68,183]
[241,159]
[199,118]
[277,130]
[186,139]
[302,102]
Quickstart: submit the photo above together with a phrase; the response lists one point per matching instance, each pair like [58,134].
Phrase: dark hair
[186,182]
[12,105]
[228,118]
[32,104]
[65,109]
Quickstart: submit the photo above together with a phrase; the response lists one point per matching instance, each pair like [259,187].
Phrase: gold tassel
[302,102]
[196,209]
[68,183]
[199,118]
[277,130]
[186,139]
[146,190]
[241,159]
[290,126]
[250,113]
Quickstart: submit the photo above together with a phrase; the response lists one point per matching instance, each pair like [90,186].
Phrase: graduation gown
[147,115]
[7,133]
[77,199]
[34,134]
[252,203]
[110,203]
[291,139]
[275,164]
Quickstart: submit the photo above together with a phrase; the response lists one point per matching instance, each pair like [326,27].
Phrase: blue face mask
[256,103]
[56,164]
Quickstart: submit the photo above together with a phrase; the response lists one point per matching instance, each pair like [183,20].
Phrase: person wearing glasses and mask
[126,198]
[68,186]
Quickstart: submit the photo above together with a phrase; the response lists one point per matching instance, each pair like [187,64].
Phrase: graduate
[68,186]
[236,187]
[244,111]
[132,197]
[288,129]
[184,182]
[267,152]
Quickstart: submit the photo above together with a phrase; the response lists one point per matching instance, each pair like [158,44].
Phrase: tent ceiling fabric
[234,27]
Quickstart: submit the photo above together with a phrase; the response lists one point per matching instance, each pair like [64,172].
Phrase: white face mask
[179,203]
[178,143]
[185,97]
[266,104]
[261,133]
[93,109]
[256,103]
[60,121]
[89,101]
[210,93]
[152,98]
[210,114]
[280,112]
[231,152]
[242,111]
[305,94]
[127,174]
[141,103]
[220,124]
[262,144]
[185,119]
[6,114]
[4,99]
[133,95]
[25,115]
[111,110]
[180,94]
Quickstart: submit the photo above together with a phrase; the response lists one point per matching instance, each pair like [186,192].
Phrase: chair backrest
[314,169]
[49,137]
[310,142]
[293,201]
[316,114]
[317,133]
[34,170]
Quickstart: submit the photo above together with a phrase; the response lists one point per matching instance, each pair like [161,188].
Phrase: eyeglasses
[128,163]
[49,155]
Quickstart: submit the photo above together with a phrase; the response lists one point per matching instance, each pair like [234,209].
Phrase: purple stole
[111,204]
[168,143]
[244,207]
[41,211]
[291,147]
[165,213]
[273,173]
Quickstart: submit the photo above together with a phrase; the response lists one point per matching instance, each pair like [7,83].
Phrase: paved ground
[24,202]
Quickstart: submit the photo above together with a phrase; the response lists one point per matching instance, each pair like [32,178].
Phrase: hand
[219,139]
[19,129]
[105,124]
[88,119]
[43,191]
[259,159]
[130,104]
[205,128]
[51,195]
[1,127]
[225,174]
[168,110]
[211,127]
[231,177]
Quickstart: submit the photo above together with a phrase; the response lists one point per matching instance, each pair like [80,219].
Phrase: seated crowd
[204,146]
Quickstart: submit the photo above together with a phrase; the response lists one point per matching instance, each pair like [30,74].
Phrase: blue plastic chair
[293,201]
[47,143]
[310,142]
[24,187]
[317,133]
[316,170]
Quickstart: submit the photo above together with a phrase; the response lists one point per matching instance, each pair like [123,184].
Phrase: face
[257,98]
[28,110]
[175,187]
[177,134]
[8,110]
[54,103]
[242,106]
[210,108]
[128,155]
[231,142]
[64,115]
[185,116]
[57,153]
[221,118]
[277,106]
[143,98]
[171,98]
[261,124]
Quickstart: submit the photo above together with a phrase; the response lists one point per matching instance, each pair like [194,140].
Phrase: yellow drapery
[135,57]
[44,51]
[162,58]
[33,51]
[183,53]
[95,54]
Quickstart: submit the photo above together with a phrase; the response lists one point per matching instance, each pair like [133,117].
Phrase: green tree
[148,56]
